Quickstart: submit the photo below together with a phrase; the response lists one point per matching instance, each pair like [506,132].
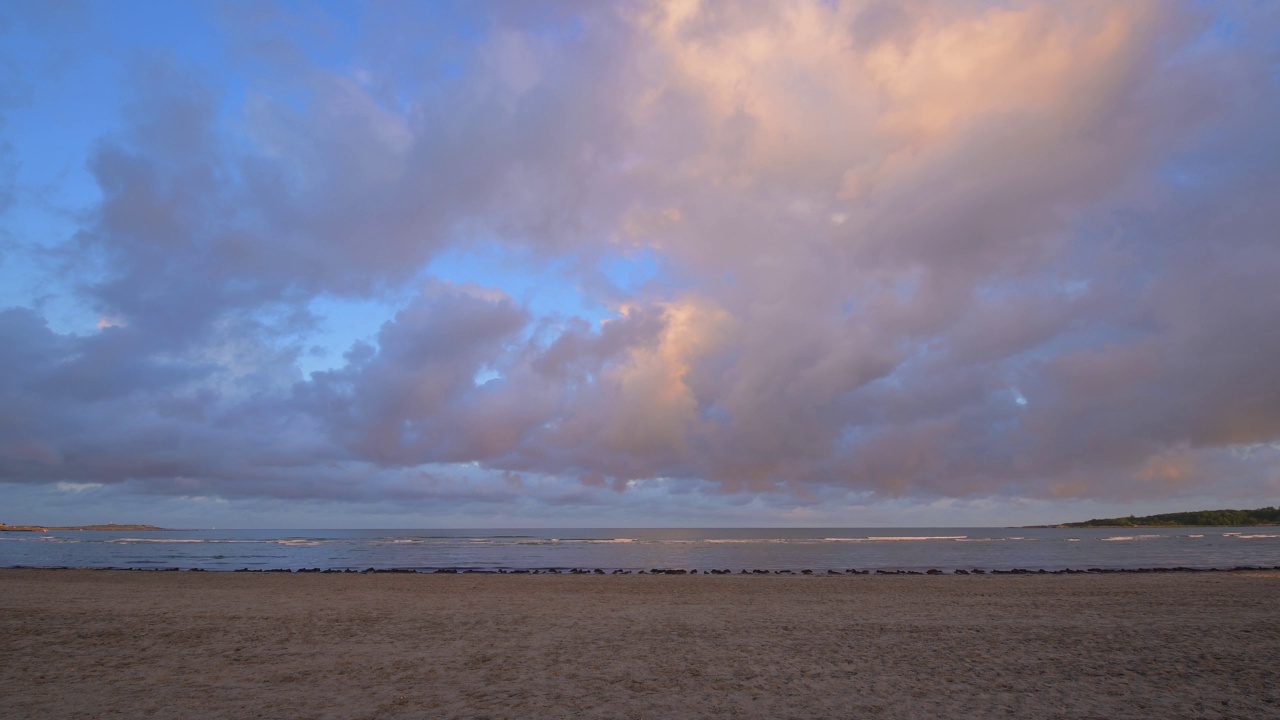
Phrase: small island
[108,527]
[1198,518]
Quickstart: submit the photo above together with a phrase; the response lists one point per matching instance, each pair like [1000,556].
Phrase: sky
[637,264]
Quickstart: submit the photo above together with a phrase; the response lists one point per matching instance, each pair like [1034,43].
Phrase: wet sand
[105,644]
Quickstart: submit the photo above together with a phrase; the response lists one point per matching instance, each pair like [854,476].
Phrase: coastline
[664,571]
[205,645]
[1081,526]
[109,527]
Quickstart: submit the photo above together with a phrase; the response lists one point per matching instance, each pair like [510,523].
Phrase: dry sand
[90,644]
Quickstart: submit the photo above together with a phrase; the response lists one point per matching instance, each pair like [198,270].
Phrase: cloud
[77,488]
[1021,250]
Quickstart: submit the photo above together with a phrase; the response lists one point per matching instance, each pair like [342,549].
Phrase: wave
[1256,537]
[185,541]
[192,541]
[470,537]
[597,541]
[1128,538]
[811,541]
[920,538]
[748,541]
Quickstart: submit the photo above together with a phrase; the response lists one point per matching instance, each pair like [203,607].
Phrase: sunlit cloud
[808,255]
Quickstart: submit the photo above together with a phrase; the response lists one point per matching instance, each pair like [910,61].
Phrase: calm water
[734,549]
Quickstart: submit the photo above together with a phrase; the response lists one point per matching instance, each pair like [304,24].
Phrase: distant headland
[1198,518]
[108,527]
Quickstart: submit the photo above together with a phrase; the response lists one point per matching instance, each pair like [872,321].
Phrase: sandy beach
[104,644]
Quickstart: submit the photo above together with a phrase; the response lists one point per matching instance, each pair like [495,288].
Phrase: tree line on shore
[1198,518]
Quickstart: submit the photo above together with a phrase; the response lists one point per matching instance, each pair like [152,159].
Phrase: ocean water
[818,549]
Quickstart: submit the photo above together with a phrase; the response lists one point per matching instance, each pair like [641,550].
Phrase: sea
[634,549]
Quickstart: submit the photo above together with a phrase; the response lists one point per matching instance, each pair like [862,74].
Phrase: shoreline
[110,527]
[354,645]
[932,572]
[1069,526]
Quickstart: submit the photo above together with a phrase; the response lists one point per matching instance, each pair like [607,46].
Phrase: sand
[106,644]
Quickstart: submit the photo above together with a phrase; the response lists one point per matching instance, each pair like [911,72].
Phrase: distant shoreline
[655,572]
[1086,526]
[1260,517]
[108,527]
